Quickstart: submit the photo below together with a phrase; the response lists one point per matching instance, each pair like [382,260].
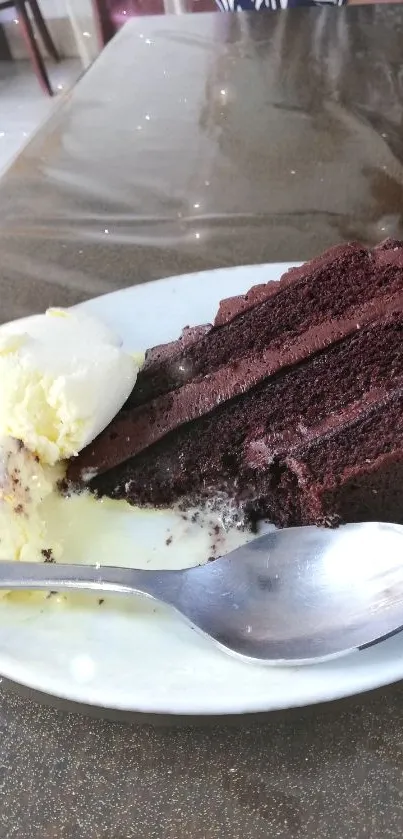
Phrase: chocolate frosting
[133,431]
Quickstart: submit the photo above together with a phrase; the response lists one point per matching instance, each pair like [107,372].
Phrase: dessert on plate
[290,404]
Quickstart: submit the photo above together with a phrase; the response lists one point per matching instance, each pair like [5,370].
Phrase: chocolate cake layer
[269,315]
[352,470]
[247,406]
[239,448]
[137,429]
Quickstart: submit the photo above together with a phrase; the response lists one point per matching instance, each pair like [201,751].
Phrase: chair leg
[32,46]
[102,22]
[43,30]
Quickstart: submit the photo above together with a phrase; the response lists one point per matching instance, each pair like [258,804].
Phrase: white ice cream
[63,377]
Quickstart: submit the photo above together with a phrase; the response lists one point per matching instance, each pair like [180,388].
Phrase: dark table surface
[270,137]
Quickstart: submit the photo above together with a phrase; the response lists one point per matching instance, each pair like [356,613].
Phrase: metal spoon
[297,596]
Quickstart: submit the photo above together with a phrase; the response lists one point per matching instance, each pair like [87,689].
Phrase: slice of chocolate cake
[270,405]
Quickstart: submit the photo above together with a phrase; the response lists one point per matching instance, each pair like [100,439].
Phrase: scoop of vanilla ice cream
[63,377]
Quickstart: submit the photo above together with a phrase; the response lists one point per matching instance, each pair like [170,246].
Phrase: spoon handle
[160,585]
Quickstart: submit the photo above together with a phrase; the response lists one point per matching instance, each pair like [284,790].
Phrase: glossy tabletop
[195,142]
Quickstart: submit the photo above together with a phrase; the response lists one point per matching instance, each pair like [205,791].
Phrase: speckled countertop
[195,142]
[336,773]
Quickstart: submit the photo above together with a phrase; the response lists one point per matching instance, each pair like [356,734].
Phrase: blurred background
[46,45]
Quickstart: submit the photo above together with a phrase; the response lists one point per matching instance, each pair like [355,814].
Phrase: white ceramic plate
[132,655]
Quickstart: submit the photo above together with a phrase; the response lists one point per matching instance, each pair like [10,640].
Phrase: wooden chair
[110,15]
[22,9]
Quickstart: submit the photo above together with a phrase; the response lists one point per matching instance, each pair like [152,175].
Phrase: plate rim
[80,695]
